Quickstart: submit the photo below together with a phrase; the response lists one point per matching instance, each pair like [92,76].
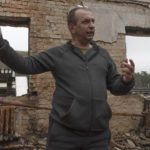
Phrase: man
[83,73]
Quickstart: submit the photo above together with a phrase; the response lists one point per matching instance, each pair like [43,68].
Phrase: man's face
[84,28]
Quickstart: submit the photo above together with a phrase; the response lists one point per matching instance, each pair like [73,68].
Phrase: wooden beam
[128,114]
[16,147]
[25,105]
[49,108]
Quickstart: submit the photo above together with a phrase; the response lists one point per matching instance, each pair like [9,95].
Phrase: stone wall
[46,20]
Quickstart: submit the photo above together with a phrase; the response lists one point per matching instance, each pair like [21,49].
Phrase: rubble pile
[130,141]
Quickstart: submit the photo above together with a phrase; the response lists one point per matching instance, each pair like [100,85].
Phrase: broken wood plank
[12,111]
[1,119]
[7,120]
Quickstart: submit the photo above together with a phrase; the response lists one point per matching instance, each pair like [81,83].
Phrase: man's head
[71,18]
[81,24]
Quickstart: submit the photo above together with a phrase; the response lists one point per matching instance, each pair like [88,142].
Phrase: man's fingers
[0,32]
[127,71]
[130,67]
[132,62]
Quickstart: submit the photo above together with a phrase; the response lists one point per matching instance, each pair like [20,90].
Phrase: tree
[142,80]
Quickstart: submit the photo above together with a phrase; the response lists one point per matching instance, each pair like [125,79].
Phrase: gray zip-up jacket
[79,101]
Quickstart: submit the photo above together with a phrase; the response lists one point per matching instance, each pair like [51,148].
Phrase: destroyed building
[24,119]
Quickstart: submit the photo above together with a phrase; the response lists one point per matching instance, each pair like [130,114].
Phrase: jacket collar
[89,55]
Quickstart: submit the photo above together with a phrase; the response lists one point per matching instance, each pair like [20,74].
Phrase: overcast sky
[17,37]
[138,48]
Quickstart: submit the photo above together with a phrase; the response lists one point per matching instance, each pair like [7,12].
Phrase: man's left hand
[128,70]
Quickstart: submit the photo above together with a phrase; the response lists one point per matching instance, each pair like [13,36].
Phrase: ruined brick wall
[48,28]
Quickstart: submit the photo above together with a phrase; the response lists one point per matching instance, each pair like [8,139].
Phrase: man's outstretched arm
[39,63]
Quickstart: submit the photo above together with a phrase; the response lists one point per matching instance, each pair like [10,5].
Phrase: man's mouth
[90,33]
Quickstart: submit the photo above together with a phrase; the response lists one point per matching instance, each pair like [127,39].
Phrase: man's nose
[91,25]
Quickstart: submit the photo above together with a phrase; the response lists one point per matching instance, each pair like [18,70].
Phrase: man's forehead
[82,13]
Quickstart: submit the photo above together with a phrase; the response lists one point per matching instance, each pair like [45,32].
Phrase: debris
[135,140]
[130,143]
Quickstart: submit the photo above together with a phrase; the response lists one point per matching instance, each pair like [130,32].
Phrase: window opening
[138,49]
[18,39]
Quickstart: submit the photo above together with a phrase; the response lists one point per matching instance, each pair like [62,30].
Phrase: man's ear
[71,28]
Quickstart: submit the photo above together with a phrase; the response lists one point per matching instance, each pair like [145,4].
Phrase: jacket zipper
[91,89]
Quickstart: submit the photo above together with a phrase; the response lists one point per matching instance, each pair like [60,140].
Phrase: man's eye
[86,21]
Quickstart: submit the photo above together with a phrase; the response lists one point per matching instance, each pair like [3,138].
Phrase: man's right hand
[0,32]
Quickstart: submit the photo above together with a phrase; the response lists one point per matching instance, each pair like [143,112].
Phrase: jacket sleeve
[39,63]
[115,83]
